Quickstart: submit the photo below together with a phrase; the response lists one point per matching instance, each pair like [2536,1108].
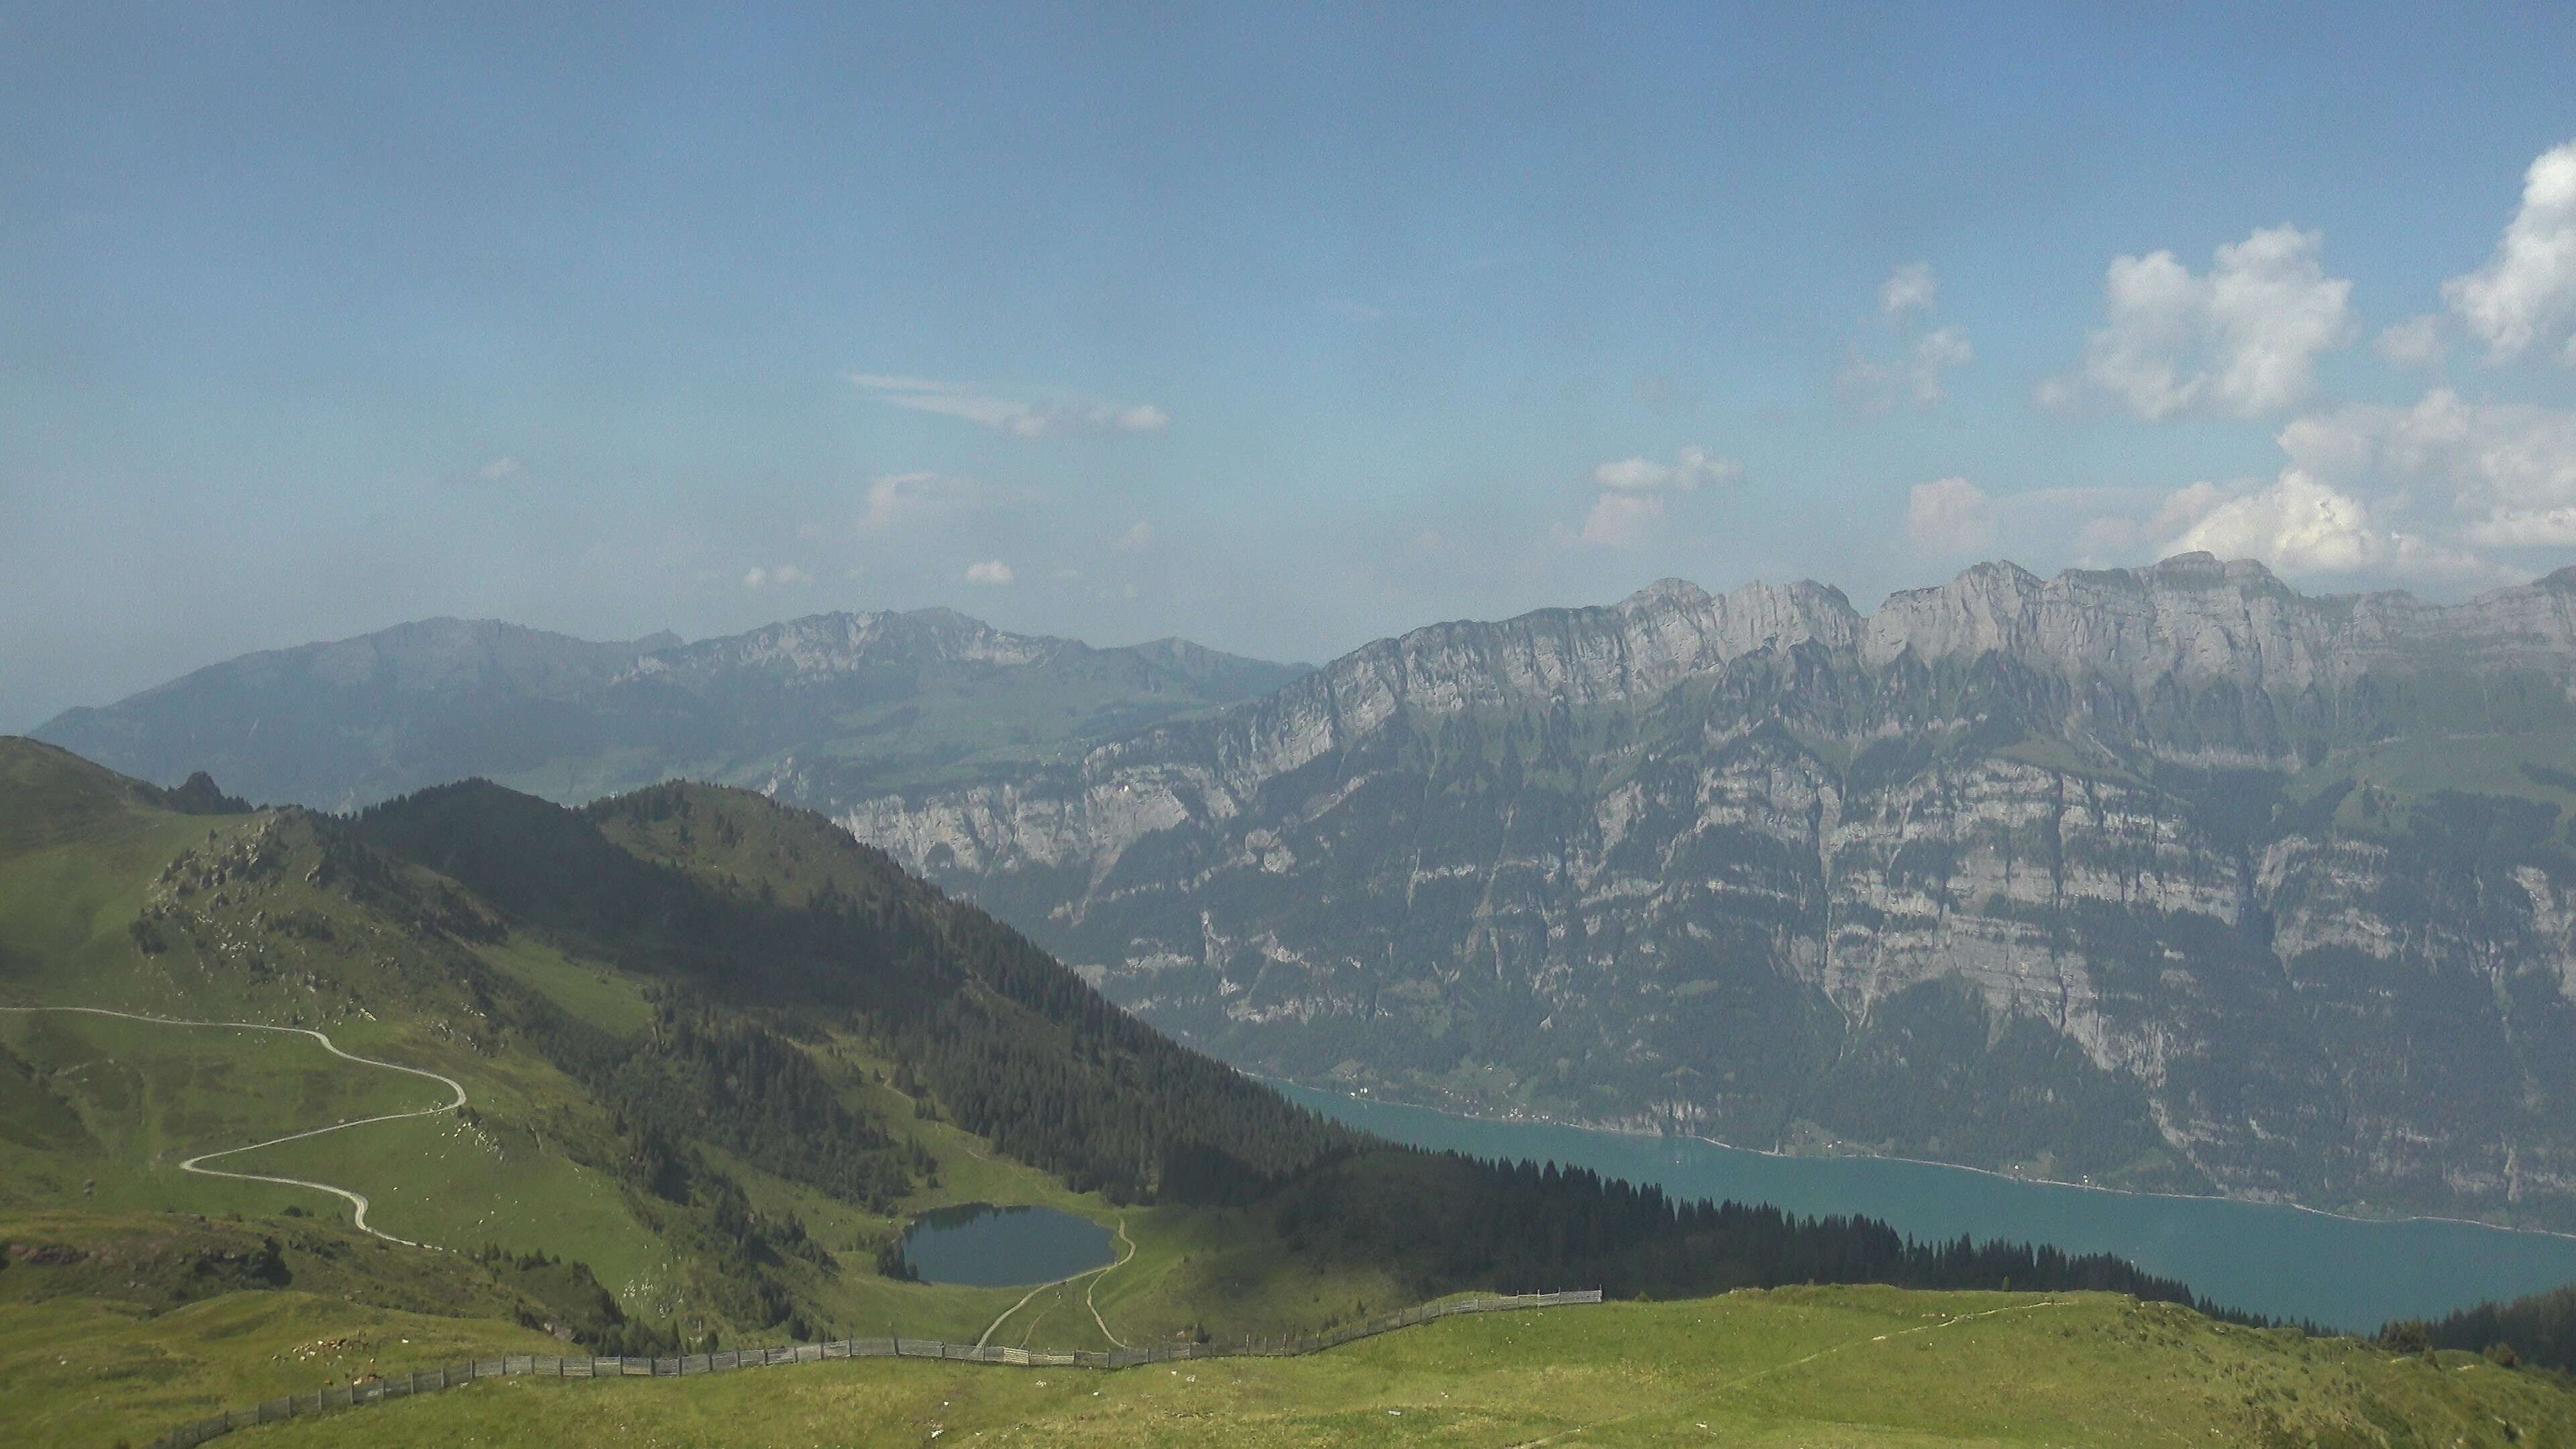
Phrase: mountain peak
[1668,593]
[2201,569]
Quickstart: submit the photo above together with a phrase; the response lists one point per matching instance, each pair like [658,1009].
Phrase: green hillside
[627,1112]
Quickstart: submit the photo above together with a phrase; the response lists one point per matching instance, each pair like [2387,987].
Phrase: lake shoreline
[1777,1155]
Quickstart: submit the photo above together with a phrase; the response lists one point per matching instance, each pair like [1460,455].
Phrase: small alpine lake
[980,1245]
[2288,1262]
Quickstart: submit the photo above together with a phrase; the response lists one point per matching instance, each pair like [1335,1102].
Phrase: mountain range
[867,702]
[2168,878]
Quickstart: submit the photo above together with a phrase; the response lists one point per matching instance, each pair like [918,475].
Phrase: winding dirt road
[357,1200]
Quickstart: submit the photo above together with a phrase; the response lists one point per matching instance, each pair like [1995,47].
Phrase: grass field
[81,1372]
[123,1102]
[1806,1367]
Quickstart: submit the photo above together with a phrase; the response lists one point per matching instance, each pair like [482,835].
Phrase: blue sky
[1280,332]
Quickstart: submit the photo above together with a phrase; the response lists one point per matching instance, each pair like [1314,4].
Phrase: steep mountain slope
[856,703]
[2169,877]
[722,1089]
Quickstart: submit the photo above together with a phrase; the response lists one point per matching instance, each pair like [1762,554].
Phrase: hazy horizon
[681,640]
[1277,333]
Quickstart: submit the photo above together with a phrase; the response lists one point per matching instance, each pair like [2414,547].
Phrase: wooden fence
[447,1376]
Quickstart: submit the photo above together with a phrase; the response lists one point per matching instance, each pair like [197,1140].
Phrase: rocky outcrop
[2154,876]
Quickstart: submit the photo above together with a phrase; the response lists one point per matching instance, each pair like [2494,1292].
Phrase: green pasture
[1810,1367]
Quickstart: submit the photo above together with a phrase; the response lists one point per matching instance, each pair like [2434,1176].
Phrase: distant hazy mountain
[852,704]
[2168,877]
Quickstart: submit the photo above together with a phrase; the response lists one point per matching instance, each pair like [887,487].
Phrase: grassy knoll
[1811,1367]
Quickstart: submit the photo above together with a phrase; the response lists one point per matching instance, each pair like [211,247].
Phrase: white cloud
[2526,293]
[897,499]
[2297,525]
[1633,491]
[1910,288]
[1622,520]
[2401,493]
[498,469]
[2413,343]
[1020,419]
[1136,539]
[1951,515]
[1915,372]
[1631,475]
[2507,471]
[2118,537]
[992,573]
[2242,341]
[785,576]
[2445,492]
[1691,470]
[1945,348]
[2301,525]
[1917,375]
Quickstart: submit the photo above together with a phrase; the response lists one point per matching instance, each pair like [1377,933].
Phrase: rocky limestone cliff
[2166,877]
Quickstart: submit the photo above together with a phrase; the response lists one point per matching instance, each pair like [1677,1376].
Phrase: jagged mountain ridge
[2187,625]
[2164,876]
[878,699]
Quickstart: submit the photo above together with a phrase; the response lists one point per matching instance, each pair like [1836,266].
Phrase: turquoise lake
[984,1246]
[2276,1260]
